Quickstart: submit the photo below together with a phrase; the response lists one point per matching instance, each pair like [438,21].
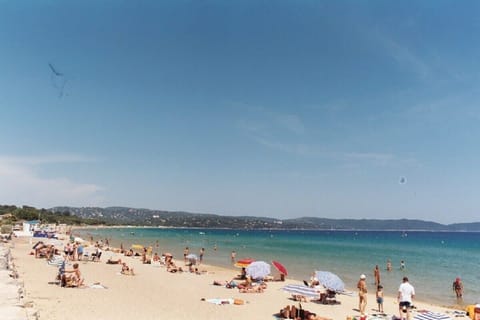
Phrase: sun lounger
[431,316]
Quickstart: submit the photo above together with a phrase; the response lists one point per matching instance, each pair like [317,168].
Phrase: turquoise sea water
[433,259]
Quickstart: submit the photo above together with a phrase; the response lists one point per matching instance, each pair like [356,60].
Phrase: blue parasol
[330,281]
[192,258]
[258,269]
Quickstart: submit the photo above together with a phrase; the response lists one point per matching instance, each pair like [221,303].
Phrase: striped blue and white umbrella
[431,316]
[302,290]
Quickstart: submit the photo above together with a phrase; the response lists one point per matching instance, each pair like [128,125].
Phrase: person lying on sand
[111,261]
[256,289]
[293,313]
[44,251]
[246,284]
[227,284]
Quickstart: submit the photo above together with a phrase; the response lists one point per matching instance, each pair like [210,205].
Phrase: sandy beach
[154,293]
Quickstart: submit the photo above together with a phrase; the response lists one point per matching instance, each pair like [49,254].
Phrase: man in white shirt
[406,293]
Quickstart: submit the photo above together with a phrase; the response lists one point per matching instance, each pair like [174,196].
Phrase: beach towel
[431,316]
[218,301]
[56,261]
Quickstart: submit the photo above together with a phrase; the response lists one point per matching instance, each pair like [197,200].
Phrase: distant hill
[147,217]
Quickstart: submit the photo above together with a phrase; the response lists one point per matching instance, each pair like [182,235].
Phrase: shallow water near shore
[433,259]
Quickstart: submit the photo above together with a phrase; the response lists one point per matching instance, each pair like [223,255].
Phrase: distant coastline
[83,227]
[133,217]
[179,219]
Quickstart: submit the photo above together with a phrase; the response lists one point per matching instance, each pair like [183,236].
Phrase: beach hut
[27,228]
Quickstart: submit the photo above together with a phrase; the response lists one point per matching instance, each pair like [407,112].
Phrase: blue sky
[266,108]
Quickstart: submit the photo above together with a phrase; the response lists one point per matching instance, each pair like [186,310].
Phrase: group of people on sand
[42,250]
[67,277]
[71,251]
[292,312]
[166,259]
[126,270]
[72,277]
[405,295]
[246,286]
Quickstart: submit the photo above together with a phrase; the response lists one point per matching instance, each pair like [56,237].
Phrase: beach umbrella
[330,280]
[244,262]
[302,290]
[431,316]
[192,258]
[258,269]
[78,239]
[280,267]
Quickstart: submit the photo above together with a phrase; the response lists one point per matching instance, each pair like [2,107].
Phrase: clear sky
[337,109]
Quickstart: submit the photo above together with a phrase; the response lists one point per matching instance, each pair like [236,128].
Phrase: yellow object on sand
[137,246]
[470,310]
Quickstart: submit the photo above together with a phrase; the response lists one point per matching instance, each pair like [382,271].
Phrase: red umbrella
[244,262]
[280,267]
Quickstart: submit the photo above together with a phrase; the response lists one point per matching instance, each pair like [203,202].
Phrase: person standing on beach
[233,255]
[376,275]
[362,294]
[185,254]
[379,296]
[389,265]
[202,252]
[458,287]
[406,293]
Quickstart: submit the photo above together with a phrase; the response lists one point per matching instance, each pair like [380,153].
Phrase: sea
[432,259]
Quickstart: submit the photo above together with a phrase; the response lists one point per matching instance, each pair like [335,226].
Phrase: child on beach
[379,295]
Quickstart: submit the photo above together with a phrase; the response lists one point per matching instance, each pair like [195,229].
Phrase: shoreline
[176,296]
[391,279]
[274,229]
